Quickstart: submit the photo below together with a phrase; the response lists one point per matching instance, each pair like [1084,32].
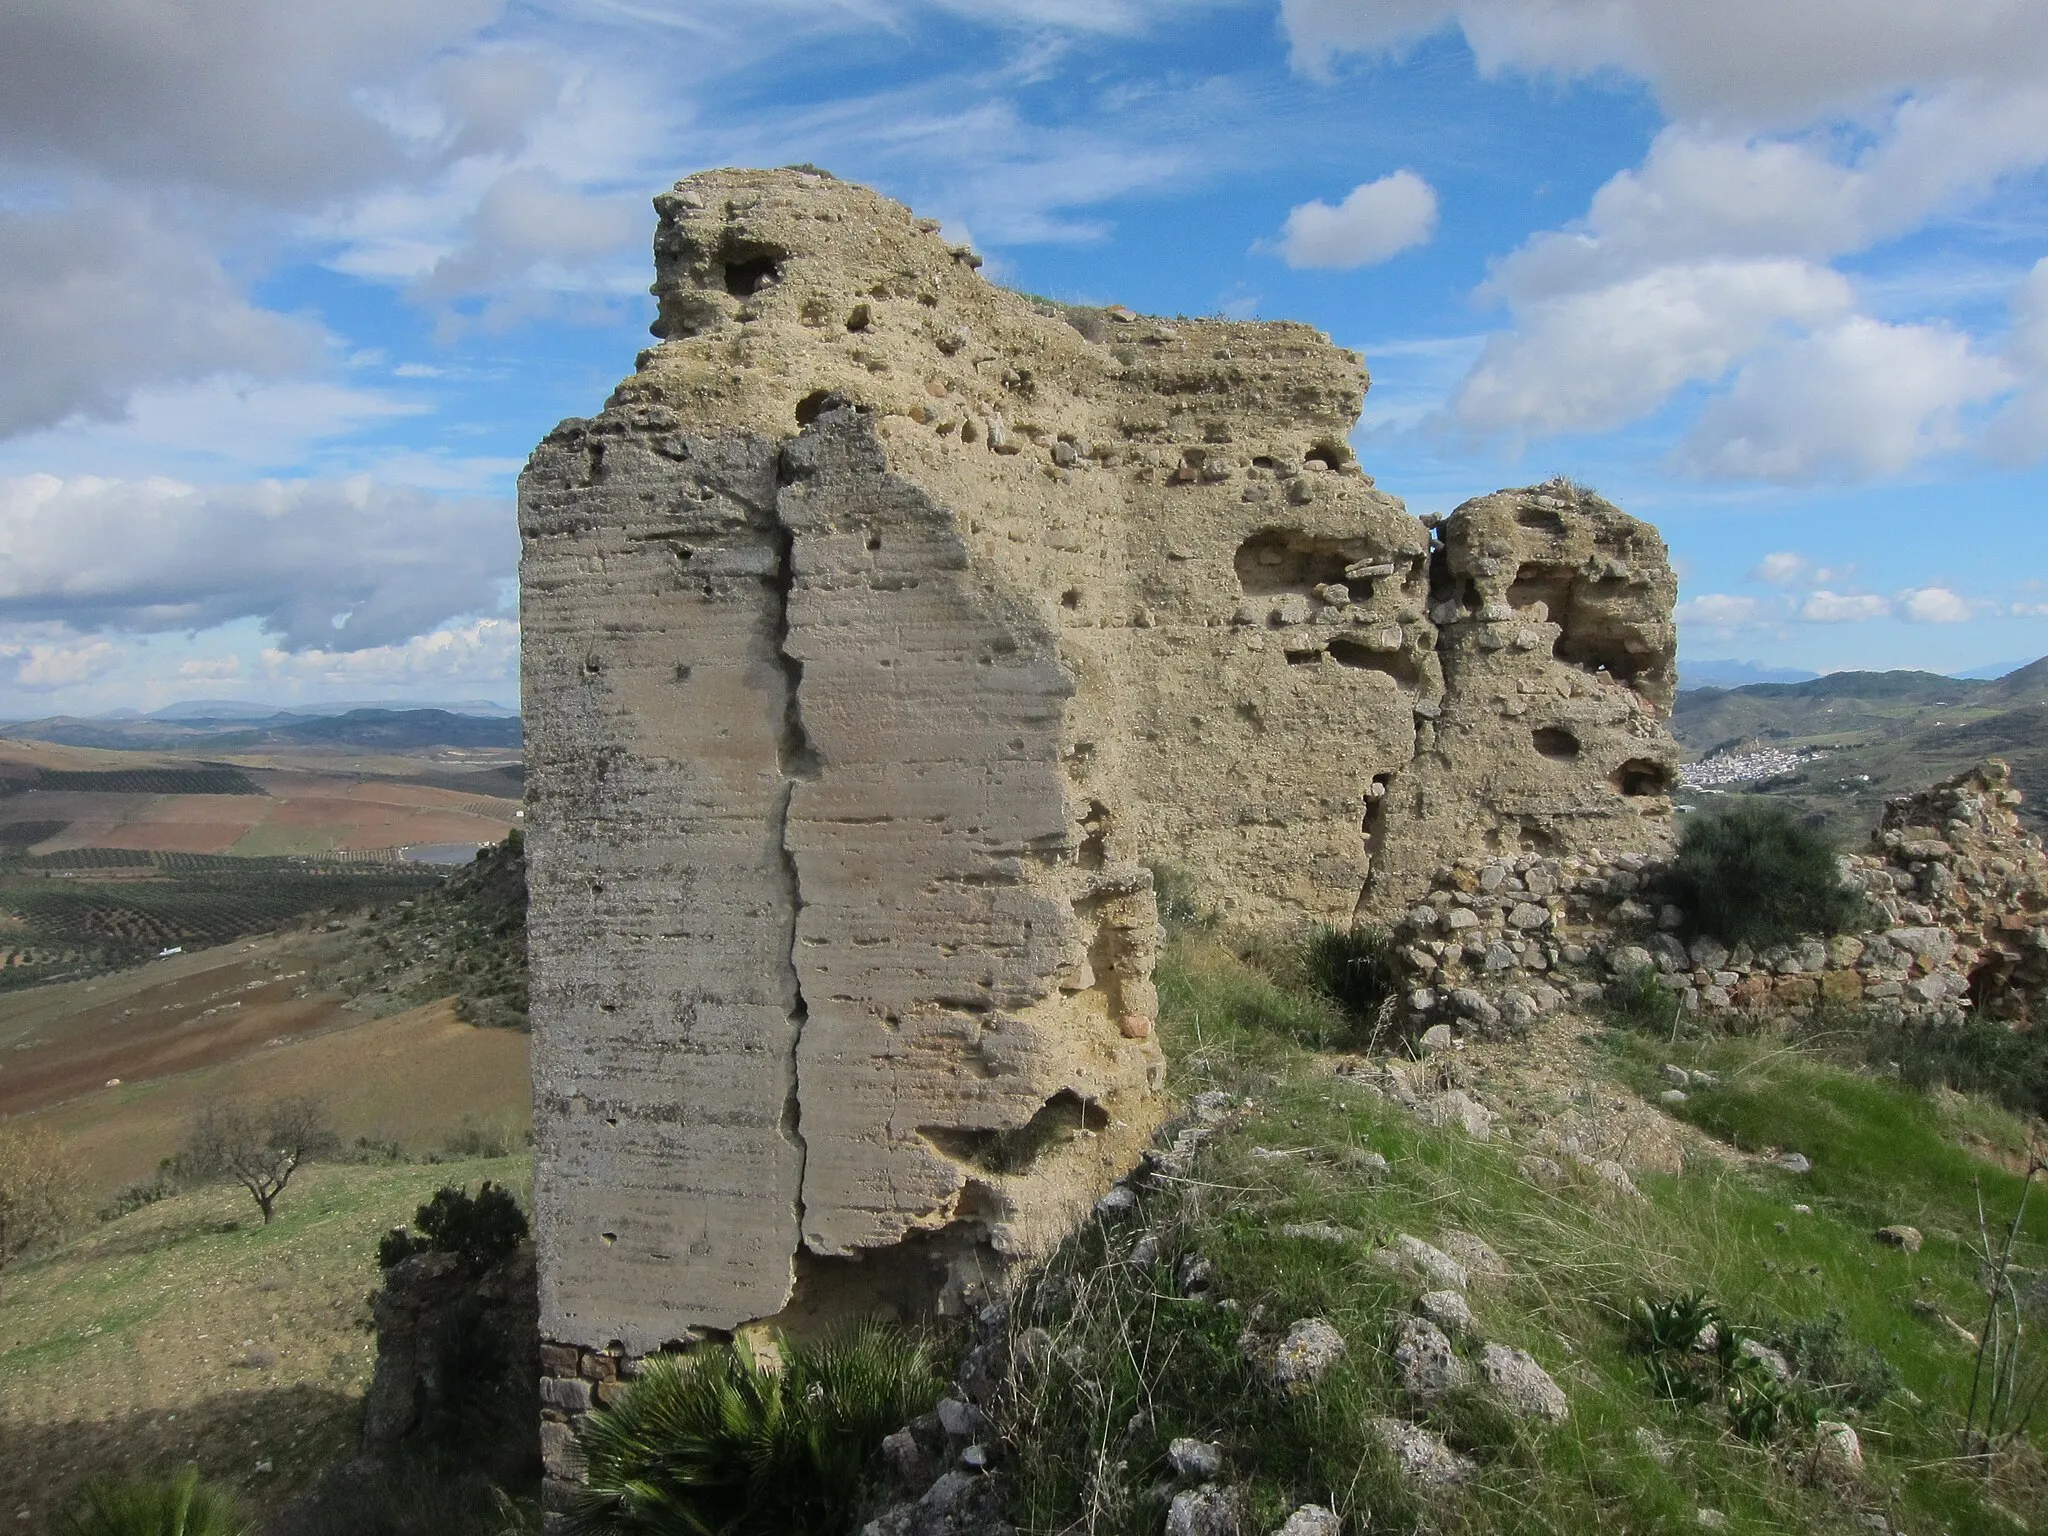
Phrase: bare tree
[38,1190]
[260,1147]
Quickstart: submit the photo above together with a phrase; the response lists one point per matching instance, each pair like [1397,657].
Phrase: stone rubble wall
[1957,891]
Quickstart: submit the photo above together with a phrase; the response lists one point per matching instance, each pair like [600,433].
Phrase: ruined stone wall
[879,632]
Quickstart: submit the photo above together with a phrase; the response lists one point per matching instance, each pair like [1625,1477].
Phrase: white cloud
[157,555]
[43,666]
[1377,220]
[1756,62]
[1720,611]
[1824,607]
[248,97]
[1933,605]
[101,298]
[1593,360]
[483,653]
[1800,134]
[1854,401]
[1780,568]
[2019,434]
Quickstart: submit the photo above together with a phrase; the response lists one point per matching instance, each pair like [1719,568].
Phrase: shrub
[1834,1365]
[38,1190]
[1180,909]
[478,1229]
[1755,874]
[716,1442]
[1354,969]
[181,1507]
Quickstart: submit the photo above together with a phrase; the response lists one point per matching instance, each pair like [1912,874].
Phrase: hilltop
[1875,734]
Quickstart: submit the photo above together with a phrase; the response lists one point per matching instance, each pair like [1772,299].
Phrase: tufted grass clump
[719,1441]
[182,1506]
[1638,1000]
[1354,969]
[1756,874]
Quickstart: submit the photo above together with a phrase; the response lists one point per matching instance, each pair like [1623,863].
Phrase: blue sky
[287,292]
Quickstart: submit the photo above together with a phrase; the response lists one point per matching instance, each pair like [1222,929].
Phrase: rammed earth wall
[880,632]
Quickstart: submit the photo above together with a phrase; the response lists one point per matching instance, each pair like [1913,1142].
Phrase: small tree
[38,1190]
[260,1148]
[1756,874]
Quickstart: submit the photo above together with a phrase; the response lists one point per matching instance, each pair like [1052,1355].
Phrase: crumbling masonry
[879,634]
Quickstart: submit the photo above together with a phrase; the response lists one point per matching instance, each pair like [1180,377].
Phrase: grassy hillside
[1155,1318]
[1882,733]
[188,1332]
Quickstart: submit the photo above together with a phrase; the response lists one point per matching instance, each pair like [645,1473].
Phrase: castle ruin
[880,635]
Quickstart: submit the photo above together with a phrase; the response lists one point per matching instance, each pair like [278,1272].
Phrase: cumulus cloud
[1933,605]
[1752,182]
[274,102]
[1721,611]
[1754,62]
[1780,568]
[482,653]
[1588,361]
[334,565]
[1824,607]
[99,299]
[46,665]
[1374,222]
[1854,401]
[2019,433]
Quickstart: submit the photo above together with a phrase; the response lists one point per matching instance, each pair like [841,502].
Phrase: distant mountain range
[246,709]
[367,729]
[1880,733]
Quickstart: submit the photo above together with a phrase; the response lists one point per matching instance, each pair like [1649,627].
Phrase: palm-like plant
[180,1507]
[715,1443]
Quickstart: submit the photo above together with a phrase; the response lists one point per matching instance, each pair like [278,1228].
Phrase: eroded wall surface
[879,633]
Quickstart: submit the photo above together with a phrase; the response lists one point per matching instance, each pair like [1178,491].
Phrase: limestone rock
[1424,1362]
[1449,1311]
[1902,1237]
[1202,1512]
[1475,1253]
[1523,1385]
[1312,1520]
[1424,1262]
[1420,1455]
[1194,1458]
[1837,1448]
[1306,1354]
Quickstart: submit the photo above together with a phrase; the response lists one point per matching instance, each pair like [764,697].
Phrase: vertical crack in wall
[797,761]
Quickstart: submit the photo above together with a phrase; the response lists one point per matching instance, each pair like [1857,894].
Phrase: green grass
[1136,1360]
[188,1333]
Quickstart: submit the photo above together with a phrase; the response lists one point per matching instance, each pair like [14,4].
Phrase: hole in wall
[874,541]
[1583,639]
[1541,520]
[1555,743]
[1329,455]
[682,671]
[1641,776]
[815,404]
[1274,561]
[1071,598]
[1263,461]
[1304,658]
[1095,839]
[750,268]
[860,318]
[1398,665]
[1059,1119]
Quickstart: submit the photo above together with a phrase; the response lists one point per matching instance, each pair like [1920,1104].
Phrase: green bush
[1755,874]
[181,1507]
[1180,907]
[716,1444]
[479,1229]
[1354,969]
